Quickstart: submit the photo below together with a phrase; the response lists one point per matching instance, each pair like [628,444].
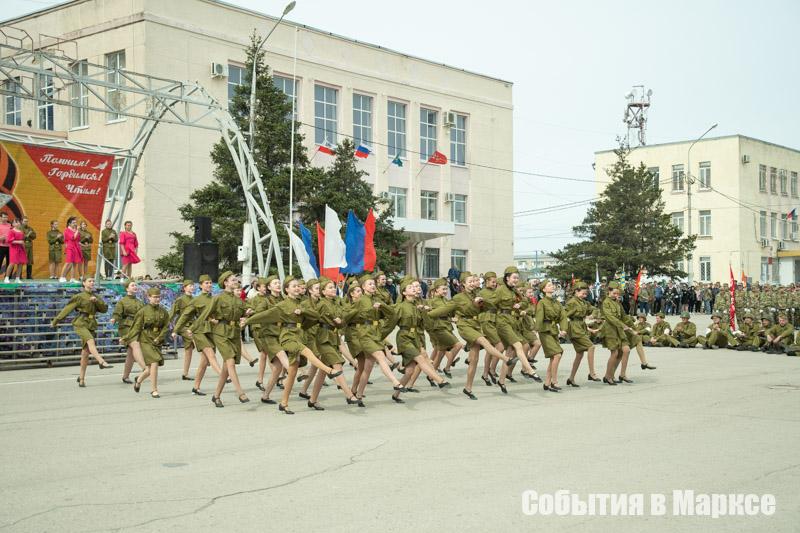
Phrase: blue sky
[735,63]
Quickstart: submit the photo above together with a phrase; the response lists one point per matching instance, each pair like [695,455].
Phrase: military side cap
[490,274]
[353,286]
[782,315]
[685,314]
[404,284]
[312,281]
[323,281]
[641,314]
[127,282]
[262,281]
[222,277]
[204,277]
[579,285]
[766,316]
[441,282]
[286,281]
[364,278]
[511,270]
[714,314]
[464,275]
[661,314]
[154,291]
[749,315]
[378,274]
[270,279]
[613,285]
[187,282]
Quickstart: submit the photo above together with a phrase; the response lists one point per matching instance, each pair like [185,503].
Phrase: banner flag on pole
[330,273]
[308,243]
[732,310]
[370,256]
[335,250]
[301,256]
[354,244]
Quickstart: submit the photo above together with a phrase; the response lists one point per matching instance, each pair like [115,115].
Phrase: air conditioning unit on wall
[449,119]
[764,243]
[218,70]
[745,159]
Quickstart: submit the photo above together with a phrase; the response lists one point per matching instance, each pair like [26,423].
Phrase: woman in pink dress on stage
[16,251]
[74,256]
[128,246]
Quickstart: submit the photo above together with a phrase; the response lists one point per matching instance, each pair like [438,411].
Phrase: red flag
[636,288]
[732,310]
[369,242]
[325,149]
[744,279]
[437,158]
[331,272]
[572,284]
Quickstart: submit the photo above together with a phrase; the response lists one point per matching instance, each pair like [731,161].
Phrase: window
[458,141]
[773,225]
[794,229]
[427,133]
[362,119]
[784,227]
[236,78]
[677,178]
[428,202]
[325,99]
[764,269]
[773,180]
[762,178]
[289,89]
[655,174]
[115,62]
[79,97]
[762,224]
[397,129]
[679,265]
[793,183]
[784,188]
[705,223]
[705,268]
[677,220]
[44,105]
[116,174]
[458,259]
[458,209]
[397,197]
[430,263]
[13,103]
[705,175]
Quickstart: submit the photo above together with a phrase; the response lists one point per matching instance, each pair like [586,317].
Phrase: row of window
[705,267]
[429,205]
[326,112]
[679,176]
[776,177]
[430,261]
[704,218]
[787,231]
[768,270]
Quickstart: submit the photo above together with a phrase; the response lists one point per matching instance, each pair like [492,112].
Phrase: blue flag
[397,161]
[354,237]
[307,244]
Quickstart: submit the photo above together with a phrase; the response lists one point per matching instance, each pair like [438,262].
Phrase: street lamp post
[247,268]
[689,266]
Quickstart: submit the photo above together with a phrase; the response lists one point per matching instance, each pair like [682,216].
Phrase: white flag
[301,256]
[335,256]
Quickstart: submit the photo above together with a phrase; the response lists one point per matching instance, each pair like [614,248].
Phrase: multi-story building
[534,264]
[743,191]
[393,103]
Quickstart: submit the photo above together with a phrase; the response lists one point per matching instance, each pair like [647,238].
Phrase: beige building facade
[392,103]
[742,190]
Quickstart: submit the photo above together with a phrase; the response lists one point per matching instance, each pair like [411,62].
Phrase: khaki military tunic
[85,322]
[150,326]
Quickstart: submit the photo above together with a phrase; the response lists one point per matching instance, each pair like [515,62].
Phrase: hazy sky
[732,62]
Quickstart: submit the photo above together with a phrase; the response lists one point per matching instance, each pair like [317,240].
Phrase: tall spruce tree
[626,228]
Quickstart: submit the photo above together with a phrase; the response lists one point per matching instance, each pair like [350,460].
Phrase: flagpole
[387,168]
[291,148]
[421,169]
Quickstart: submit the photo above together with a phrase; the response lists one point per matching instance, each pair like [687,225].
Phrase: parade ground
[106,459]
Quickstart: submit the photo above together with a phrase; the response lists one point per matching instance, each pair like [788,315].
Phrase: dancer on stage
[87,305]
[17,257]
[30,236]
[578,309]
[74,259]
[178,306]
[109,239]
[551,323]
[86,248]
[150,327]
[128,248]
[123,315]
[55,244]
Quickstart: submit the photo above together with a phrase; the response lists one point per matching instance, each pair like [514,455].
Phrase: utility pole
[689,258]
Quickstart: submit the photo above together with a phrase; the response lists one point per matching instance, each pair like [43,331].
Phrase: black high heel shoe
[447,373]
[127,380]
[284,409]
[625,379]
[433,383]
[571,383]
[396,399]
[184,377]
[612,382]
[304,396]
[315,406]
[355,401]
[494,378]
[400,388]
[198,392]
[511,361]
[103,367]
[486,380]
[469,394]
[511,379]
[137,386]
[260,385]
[503,388]
[253,363]
[333,375]
[444,385]
[81,383]
[647,366]
[243,398]
[268,400]
[217,401]
[555,388]
[590,378]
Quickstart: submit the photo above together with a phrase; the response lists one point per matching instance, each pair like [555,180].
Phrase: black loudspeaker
[202,229]
[200,259]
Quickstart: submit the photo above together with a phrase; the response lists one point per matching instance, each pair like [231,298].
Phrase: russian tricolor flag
[359,240]
[362,151]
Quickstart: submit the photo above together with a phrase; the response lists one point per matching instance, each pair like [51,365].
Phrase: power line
[553,208]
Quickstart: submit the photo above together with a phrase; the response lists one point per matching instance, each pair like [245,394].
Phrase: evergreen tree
[626,227]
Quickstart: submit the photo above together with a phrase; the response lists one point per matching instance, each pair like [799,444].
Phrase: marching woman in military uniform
[226,316]
[199,331]
[30,236]
[55,245]
[508,305]
[150,327]
[269,334]
[366,313]
[614,331]
[408,317]
[488,320]
[178,306]
[74,259]
[109,239]
[551,323]
[464,309]
[128,248]
[440,330]
[578,309]
[123,315]
[86,248]
[354,293]
[255,304]
[330,313]
[87,305]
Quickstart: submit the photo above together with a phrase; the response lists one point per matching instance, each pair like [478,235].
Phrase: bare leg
[452,353]
[411,377]
[90,345]
[211,356]
[318,381]
[472,369]
[84,363]
[262,367]
[310,374]
[223,377]
[345,351]
[201,371]
[640,353]
[154,377]
[611,367]
[276,367]
[369,363]
[626,350]
[575,365]
[126,371]
[552,369]
[187,359]
[424,364]
[314,360]
[245,354]
[287,390]
[360,364]
[380,358]
[230,365]
[590,357]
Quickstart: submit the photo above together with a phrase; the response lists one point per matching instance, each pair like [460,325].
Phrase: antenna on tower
[638,103]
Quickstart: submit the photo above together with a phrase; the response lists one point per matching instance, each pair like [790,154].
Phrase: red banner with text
[46,184]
